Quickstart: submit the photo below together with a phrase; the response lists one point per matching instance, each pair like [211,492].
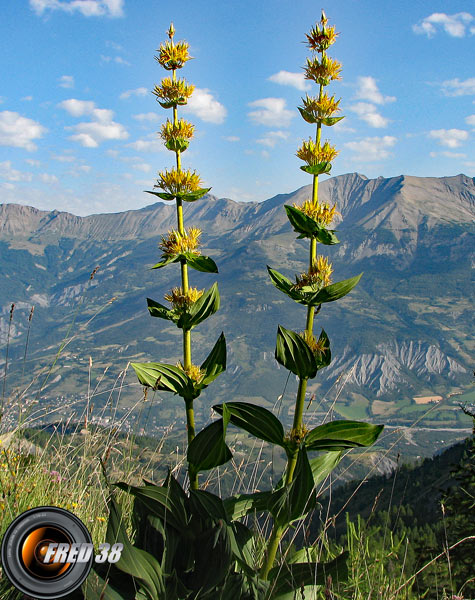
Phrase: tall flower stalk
[189,306]
[310,220]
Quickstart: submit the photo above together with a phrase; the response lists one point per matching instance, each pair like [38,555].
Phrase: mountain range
[401,340]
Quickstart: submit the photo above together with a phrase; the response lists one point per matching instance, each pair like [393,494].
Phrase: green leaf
[177,145]
[192,196]
[295,500]
[307,115]
[256,420]
[208,449]
[284,284]
[162,195]
[308,227]
[160,376]
[323,359]
[166,261]
[140,564]
[108,583]
[329,121]
[290,579]
[206,505]
[165,502]
[242,504]
[322,168]
[333,292]
[341,435]
[205,264]
[158,310]
[323,465]
[215,363]
[294,354]
[204,307]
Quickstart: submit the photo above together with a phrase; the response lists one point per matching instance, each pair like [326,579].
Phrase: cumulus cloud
[99,129]
[8,173]
[87,8]
[145,167]
[271,138]
[49,179]
[369,113]
[271,112]
[372,148]
[448,154]
[77,108]
[232,138]
[451,138]
[66,81]
[117,59]
[206,107]
[296,80]
[141,91]
[149,143]
[367,89]
[19,131]
[470,120]
[455,87]
[150,117]
[455,25]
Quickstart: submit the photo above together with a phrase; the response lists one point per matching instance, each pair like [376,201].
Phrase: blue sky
[78,121]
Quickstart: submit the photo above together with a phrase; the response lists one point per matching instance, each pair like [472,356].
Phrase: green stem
[278,531]
[190,413]
[273,546]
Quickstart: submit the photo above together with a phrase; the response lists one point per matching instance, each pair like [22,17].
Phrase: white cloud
[19,131]
[141,91]
[448,154]
[454,25]
[49,179]
[150,116]
[66,81]
[88,8]
[27,98]
[470,120]
[100,129]
[368,113]
[451,138]
[206,107]
[8,173]
[232,138]
[271,138]
[296,80]
[77,108]
[65,158]
[455,87]
[148,144]
[372,148]
[117,59]
[271,112]
[33,162]
[368,90]
[145,167]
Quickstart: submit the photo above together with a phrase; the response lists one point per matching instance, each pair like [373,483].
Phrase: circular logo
[47,552]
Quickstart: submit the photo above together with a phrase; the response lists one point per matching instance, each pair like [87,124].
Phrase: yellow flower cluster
[316,346]
[181,300]
[317,276]
[179,130]
[322,71]
[179,182]
[177,243]
[193,372]
[173,56]
[319,40]
[321,108]
[314,154]
[322,212]
[173,92]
